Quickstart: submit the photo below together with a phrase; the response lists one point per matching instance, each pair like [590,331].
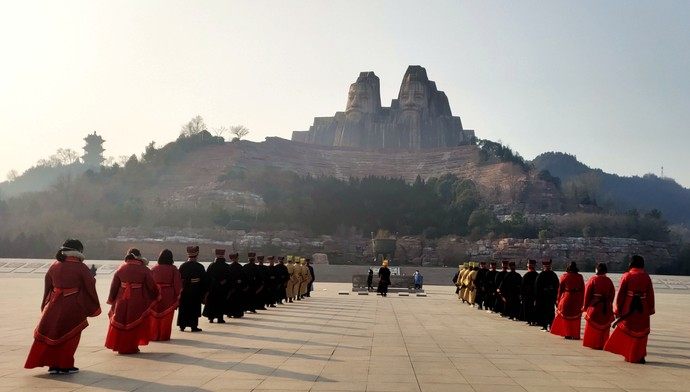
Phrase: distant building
[93,151]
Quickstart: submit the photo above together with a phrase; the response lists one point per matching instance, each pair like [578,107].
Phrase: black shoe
[262,308]
[71,370]
[290,300]
[210,320]
[642,361]
[196,329]
[53,370]
[182,329]
[271,306]
[221,321]
[252,311]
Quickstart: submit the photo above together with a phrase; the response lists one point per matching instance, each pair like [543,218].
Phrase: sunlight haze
[605,81]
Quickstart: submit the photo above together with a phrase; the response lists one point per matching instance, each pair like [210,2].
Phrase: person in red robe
[571,294]
[69,297]
[634,306]
[133,294]
[598,308]
[169,284]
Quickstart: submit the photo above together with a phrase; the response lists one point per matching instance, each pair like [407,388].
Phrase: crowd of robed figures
[143,300]
[557,304]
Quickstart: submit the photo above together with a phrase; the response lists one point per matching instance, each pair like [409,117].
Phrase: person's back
[132,293]
[168,279]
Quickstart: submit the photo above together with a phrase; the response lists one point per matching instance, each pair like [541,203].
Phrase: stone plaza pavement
[334,342]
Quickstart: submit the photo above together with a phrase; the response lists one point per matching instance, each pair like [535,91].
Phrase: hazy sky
[608,81]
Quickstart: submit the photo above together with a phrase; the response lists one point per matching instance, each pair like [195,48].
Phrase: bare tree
[122,160]
[12,175]
[66,156]
[220,131]
[109,161]
[194,126]
[239,131]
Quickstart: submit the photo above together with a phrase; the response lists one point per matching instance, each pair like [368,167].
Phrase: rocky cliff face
[419,118]
[196,177]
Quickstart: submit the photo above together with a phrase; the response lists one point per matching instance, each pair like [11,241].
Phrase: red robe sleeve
[47,288]
[151,285]
[622,293]
[561,287]
[589,291]
[114,288]
[177,283]
[92,305]
[650,296]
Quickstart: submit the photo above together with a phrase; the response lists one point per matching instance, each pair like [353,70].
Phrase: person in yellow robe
[461,281]
[290,286]
[304,277]
[471,286]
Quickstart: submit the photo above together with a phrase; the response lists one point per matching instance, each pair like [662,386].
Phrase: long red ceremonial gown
[598,308]
[634,306]
[68,299]
[132,296]
[569,306]
[169,283]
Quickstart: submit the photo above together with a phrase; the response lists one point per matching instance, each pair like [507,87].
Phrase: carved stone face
[413,97]
[360,99]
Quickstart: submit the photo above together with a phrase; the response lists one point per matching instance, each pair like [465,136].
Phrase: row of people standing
[143,300]
[557,305]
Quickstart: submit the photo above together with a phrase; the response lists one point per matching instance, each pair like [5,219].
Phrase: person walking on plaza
[499,305]
[169,283]
[634,306]
[218,280]
[571,295]
[264,293]
[384,279]
[462,281]
[527,291]
[470,278]
[418,280]
[456,280]
[271,282]
[304,277]
[283,277]
[479,285]
[133,293]
[370,280]
[236,301]
[545,295]
[254,284]
[193,277]
[598,308]
[312,278]
[69,298]
[292,279]
[490,287]
[510,292]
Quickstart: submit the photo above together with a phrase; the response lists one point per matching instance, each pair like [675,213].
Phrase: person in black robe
[545,295]
[510,292]
[384,279]
[254,283]
[193,290]
[454,279]
[236,299]
[218,278]
[490,287]
[271,282]
[310,287]
[527,292]
[499,303]
[370,280]
[480,286]
[283,276]
[262,293]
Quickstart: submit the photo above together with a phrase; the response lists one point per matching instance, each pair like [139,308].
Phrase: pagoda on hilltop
[419,118]
[93,150]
